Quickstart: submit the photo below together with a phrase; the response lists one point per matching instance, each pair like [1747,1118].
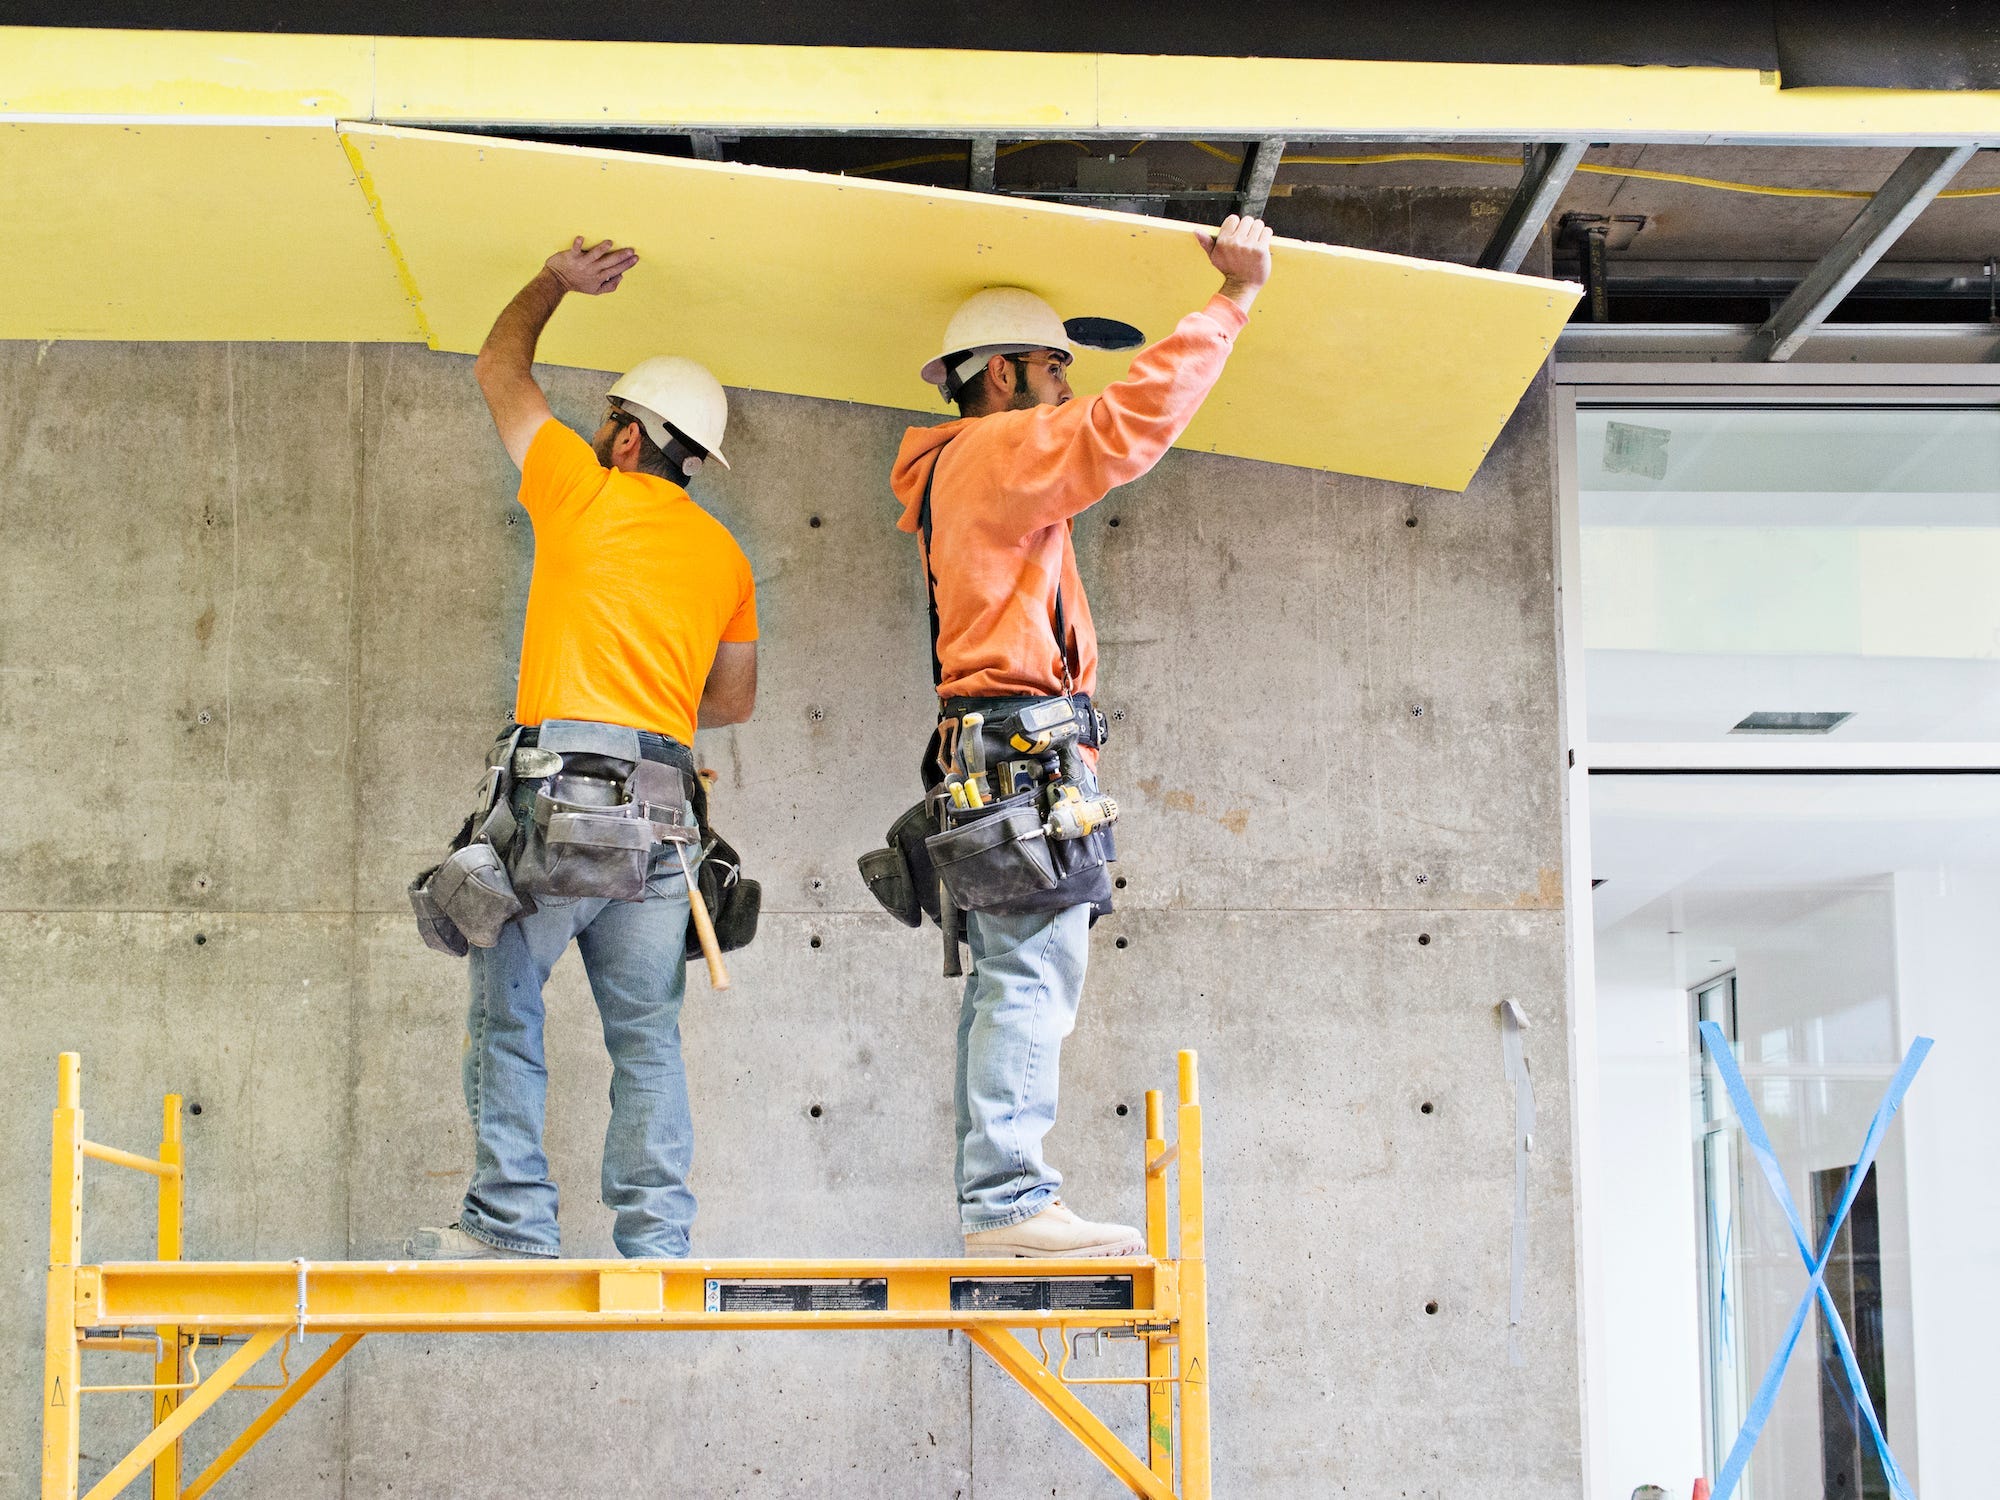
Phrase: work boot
[449,1242]
[1055,1231]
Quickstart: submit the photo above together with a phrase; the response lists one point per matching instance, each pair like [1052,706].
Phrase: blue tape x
[1767,1158]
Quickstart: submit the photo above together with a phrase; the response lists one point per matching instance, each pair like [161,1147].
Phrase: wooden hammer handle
[704,928]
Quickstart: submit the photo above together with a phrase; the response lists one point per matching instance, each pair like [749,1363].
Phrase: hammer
[704,925]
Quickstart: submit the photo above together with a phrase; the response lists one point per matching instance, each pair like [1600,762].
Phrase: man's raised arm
[505,367]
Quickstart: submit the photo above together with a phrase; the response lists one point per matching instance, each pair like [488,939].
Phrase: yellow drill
[1074,816]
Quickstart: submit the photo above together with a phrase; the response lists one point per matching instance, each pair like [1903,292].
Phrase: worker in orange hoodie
[992,498]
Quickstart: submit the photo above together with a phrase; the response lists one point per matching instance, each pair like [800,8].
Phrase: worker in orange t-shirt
[641,625]
[992,498]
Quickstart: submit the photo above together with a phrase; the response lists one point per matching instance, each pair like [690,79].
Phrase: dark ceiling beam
[1881,222]
[982,163]
[1260,170]
[1545,171]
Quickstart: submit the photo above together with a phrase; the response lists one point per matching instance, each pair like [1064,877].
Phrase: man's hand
[593,271]
[1241,251]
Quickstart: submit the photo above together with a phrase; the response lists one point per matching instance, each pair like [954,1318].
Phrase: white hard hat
[668,389]
[999,320]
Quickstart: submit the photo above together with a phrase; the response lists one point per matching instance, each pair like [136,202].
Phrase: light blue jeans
[634,954]
[1020,1003]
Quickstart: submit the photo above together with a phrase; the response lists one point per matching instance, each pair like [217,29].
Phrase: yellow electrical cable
[1769,190]
[1688,179]
[955,156]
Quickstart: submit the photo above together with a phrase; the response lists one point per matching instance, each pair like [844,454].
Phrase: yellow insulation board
[57,70]
[834,287]
[441,79]
[410,80]
[173,232]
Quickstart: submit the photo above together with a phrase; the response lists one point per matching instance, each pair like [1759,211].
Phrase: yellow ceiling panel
[60,70]
[191,232]
[441,79]
[835,287]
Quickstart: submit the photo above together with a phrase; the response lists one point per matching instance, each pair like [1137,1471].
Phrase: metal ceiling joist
[1544,174]
[985,159]
[1881,222]
[1260,171]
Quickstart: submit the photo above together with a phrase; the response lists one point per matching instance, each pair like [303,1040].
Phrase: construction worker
[641,625]
[993,497]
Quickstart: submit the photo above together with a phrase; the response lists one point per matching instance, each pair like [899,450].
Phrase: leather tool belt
[567,808]
[940,858]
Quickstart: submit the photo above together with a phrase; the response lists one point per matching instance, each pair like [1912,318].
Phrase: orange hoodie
[1007,490]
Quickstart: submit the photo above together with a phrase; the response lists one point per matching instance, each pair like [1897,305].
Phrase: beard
[602,448]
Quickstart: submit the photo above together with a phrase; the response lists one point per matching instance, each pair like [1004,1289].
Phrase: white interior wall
[1651,1367]
[1948,978]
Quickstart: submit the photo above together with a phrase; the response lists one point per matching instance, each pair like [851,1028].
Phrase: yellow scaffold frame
[169,1308]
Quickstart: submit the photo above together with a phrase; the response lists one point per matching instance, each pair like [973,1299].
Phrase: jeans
[633,952]
[1020,1002]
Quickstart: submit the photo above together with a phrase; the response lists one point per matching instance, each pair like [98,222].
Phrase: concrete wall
[261,611]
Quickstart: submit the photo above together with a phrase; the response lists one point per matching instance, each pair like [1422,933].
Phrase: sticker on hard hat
[1103,333]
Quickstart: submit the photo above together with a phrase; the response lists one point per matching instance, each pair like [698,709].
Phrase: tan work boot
[1053,1232]
[449,1242]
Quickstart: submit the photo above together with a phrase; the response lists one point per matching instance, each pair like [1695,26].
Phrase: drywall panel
[448,78]
[811,285]
[57,70]
[1250,96]
[171,232]
[101,71]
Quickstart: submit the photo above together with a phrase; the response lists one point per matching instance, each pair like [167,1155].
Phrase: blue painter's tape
[1815,1263]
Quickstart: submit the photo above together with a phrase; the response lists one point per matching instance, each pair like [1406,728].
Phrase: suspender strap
[1064,645]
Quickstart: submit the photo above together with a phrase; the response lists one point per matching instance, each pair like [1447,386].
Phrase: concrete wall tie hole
[1122,943]
[194,1109]
[1123,1111]
[200,938]
[1112,522]
[1119,882]
[1427,1108]
[815,941]
[816,1111]
[1431,1308]
[814,523]
[1423,940]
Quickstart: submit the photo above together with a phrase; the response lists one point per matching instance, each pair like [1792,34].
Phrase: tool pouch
[471,894]
[900,875]
[433,926]
[995,858]
[584,849]
[735,902]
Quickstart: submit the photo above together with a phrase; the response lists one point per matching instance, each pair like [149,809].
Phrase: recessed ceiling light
[1768,721]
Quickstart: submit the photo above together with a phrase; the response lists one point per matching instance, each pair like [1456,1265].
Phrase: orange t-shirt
[1009,485]
[634,586]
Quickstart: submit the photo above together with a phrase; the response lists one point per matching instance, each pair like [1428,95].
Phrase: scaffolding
[174,1310]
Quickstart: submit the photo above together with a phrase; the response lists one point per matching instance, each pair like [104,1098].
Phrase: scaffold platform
[231,1315]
